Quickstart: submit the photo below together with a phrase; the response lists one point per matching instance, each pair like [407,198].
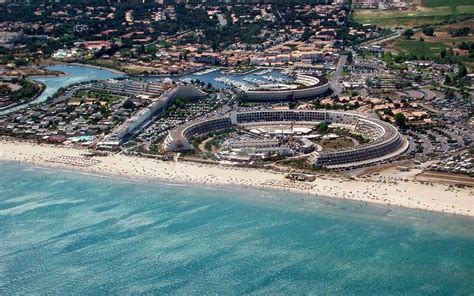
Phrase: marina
[263,71]
[274,79]
[256,82]
[231,82]
[206,71]
[83,73]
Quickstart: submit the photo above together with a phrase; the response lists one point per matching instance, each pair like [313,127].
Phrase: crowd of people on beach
[402,192]
[75,161]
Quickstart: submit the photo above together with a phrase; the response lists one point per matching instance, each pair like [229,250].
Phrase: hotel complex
[145,116]
[305,86]
[385,140]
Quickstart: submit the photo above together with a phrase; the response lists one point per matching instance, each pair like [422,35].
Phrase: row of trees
[430,31]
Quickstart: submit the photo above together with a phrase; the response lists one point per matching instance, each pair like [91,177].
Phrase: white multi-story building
[137,122]
[304,87]
[385,140]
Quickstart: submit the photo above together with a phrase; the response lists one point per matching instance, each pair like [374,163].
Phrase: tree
[428,31]
[464,31]
[462,71]
[128,104]
[292,105]
[151,49]
[447,80]
[21,62]
[408,33]
[140,50]
[322,127]
[400,120]
[350,58]
[443,53]
[306,34]
[450,94]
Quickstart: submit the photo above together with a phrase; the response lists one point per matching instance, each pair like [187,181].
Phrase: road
[440,142]
[428,108]
[69,93]
[395,35]
[427,147]
[335,85]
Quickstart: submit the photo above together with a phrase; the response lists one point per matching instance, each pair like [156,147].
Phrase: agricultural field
[438,3]
[417,15]
[430,46]
[420,48]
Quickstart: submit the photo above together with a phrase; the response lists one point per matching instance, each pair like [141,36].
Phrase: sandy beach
[409,193]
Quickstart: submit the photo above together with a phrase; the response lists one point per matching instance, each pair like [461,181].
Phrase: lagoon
[73,74]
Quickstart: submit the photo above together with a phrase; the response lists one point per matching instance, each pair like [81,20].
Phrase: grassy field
[414,17]
[432,45]
[420,48]
[438,3]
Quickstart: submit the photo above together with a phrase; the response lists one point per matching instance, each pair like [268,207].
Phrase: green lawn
[420,48]
[411,18]
[428,49]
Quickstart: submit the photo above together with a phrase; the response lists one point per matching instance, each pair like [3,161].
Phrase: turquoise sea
[65,233]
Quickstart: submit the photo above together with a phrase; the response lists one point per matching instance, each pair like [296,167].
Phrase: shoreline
[36,78]
[42,87]
[62,74]
[52,63]
[113,70]
[231,188]
[401,193]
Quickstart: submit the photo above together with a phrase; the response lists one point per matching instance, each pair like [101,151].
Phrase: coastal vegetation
[17,91]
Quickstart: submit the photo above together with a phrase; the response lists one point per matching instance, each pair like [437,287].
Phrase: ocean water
[67,233]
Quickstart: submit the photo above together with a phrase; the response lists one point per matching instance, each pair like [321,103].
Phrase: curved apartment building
[304,87]
[385,140]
